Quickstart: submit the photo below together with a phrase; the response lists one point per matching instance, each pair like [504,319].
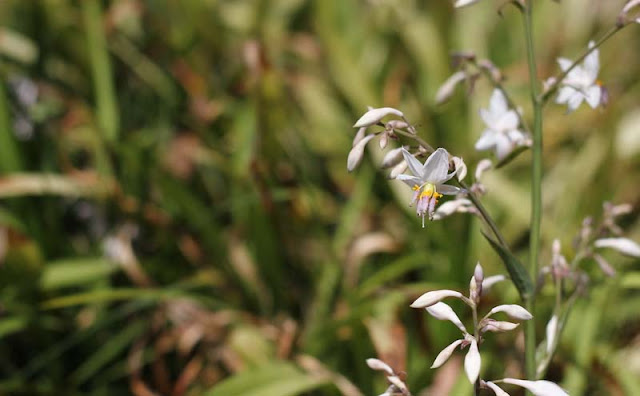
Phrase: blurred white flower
[538,388]
[464,3]
[552,331]
[622,245]
[379,365]
[502,133]
[428,181]
[581,83]
[447,88]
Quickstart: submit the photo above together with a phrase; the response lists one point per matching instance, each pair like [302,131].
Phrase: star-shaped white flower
[428,180]
[502,133]
[581,83]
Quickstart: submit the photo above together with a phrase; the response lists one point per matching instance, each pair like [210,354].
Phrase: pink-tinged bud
[446,90]
[513,311]
[357,152]
[444,355]
[473,291]
[489,281]
[397,124]
[487,65]
[450,207]
[384,140]
[472,362]
[379,365]
[622,245]
[398,169]
[497,326]
[620,210]
[432,297]
[460,167]
[359,136]
[374,116]
[604,265]
[623,18]
[478,275]
[398,383]
[538,388]
[483,166]
[442,311]
[552,331]
[392,158]
[496,389]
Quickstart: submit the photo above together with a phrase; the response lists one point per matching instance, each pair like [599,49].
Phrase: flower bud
[357,152]
[359,136]
[622,245]
[392,158]
[432,297]
[442,311]
[551,331]
[604,265]
[446,90]
[623,18]
[496,326]
[384,140]
[482,167]
[450,207]
[495,388]
[488,282]
[461,168]
[464,3]
[478,275]
[472,362]
[398,169]
[444,355]
[379,365]
[397,124]
[374,116]
[493,70]
[538,388]
[513,311]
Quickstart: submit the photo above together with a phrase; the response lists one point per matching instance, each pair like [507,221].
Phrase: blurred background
[176,217]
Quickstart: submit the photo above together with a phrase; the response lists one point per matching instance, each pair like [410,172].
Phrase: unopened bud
[432,297]
[460,167]
[398,169]
[444,355]
[397,124]
[446,90]
[472,362]
[482,167]
[493,70]
[357,152]
[374,116]
[622,245]
[442,311]
[384,140]
[604,265]
[359,136]
[379,365]
[392,158]
[513,311]
[497,326]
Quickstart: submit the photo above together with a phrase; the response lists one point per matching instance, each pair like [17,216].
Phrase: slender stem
[536,192]
[558,80]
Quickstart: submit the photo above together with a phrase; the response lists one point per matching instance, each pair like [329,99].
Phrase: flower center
[426,198]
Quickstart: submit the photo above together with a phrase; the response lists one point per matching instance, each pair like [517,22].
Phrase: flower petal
[564,63]
[551,331]
[414,165]
[565,94]
[444,355]
[592,63]
[374,116]
[593,95]
[504,146]
[507,121]
[498,102]
[464,3]
[575,101]
[432,297]
[538,388]
[447,89]
[436,167]
[622,245]
[472,362]
[447,189]
[411,181]
[486,141]
[442,311]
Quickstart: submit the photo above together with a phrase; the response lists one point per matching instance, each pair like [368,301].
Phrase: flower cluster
[397,385]
[432,303]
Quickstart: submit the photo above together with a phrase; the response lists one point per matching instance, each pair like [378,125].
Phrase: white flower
[581,83]
[502,133]
[538,388]
[428,180]
[622,245]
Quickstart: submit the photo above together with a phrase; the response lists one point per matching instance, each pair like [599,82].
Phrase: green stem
[536,192]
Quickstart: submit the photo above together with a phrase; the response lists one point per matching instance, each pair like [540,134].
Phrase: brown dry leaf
[363,246]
